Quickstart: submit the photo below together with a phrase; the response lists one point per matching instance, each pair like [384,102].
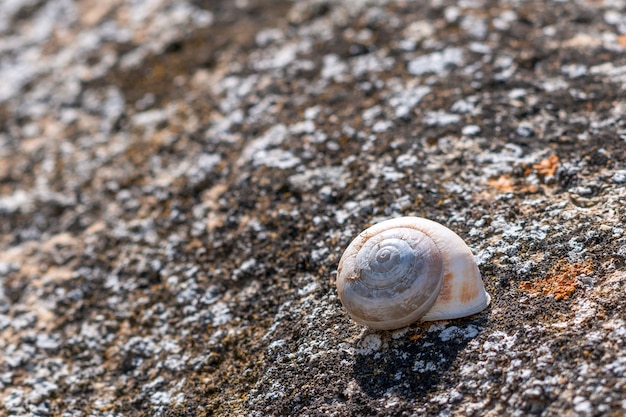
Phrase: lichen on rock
[179,179]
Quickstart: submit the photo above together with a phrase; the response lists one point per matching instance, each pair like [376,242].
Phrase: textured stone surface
[179,179]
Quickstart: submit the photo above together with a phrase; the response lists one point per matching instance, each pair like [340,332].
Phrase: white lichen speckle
[178,181]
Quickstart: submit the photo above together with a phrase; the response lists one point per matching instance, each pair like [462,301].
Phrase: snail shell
[407,269]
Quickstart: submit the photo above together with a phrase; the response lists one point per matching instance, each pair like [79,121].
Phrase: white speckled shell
[407,269]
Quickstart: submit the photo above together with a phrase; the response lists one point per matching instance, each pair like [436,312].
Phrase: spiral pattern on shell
[398,275]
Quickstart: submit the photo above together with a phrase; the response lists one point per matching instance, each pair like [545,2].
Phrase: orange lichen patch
[622,40]
[547,167]
[560,281]
[503,183]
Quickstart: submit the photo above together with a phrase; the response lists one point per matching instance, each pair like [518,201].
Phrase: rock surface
[179,179]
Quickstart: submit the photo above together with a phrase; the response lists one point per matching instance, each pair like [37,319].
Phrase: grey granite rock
[179,179]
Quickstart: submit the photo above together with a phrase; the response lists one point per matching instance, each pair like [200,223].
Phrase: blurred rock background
[179,179]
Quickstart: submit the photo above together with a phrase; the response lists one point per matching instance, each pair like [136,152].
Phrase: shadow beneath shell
[416,363]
